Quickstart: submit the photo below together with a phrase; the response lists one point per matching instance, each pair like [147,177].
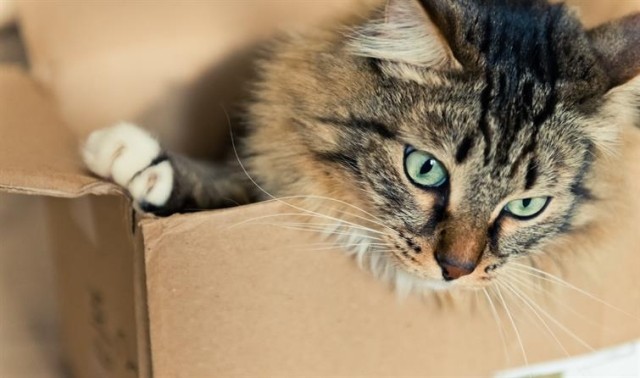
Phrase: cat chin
[406,283]
[379,261]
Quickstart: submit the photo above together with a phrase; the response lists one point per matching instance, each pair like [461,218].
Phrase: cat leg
[158,181]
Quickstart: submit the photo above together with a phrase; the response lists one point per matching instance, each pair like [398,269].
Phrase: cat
[443,139]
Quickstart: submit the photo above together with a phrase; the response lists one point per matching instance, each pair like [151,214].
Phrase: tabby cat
[443,138]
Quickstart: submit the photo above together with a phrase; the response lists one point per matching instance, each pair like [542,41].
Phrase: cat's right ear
[617,46]
[404,35]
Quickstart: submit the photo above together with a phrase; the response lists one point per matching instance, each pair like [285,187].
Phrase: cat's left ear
[617,46]
[405,38]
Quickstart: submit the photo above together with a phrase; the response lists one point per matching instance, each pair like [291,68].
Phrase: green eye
[423,169]
[527,208]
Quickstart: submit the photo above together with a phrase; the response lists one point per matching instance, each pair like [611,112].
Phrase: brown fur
[314,76]
[514,99]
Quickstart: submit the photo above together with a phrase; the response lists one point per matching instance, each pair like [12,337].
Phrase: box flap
[38,154]
[93,253]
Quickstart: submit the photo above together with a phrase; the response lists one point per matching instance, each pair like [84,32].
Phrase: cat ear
[404,34]
[617,46]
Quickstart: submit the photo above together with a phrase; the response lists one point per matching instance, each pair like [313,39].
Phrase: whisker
[558,324]
[375,220]
[525,311]
[235,150]
[520,295]
[340,211]
[332,243]
[312,229]
[332,247]
[541,274]
[321,216]
[513,324]
[547,293]
[498,321]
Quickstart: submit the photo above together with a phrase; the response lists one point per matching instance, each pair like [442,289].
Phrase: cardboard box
[215,294]
[189,296]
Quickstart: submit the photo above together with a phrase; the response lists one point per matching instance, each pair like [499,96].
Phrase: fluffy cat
[441,138]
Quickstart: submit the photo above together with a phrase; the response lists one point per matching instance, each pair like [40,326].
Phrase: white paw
[153,185]
[124,153]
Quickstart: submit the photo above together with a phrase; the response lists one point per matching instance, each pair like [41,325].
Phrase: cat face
[461,206]
[467,129]
[458,203]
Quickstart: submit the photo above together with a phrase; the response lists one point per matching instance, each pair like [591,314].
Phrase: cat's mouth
[431,273]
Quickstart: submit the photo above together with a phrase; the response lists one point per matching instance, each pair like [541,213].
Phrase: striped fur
[509,95]
[513,97]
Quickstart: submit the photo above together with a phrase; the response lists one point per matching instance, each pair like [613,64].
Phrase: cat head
[469,129]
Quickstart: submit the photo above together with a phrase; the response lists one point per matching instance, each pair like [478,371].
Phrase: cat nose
[452,270]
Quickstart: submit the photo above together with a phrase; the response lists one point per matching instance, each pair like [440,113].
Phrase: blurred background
[160,63]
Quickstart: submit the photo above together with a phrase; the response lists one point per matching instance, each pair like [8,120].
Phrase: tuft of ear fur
[406,35]
[617,46]
[622,104]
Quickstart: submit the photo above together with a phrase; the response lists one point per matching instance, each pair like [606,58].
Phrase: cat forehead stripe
[464,148]
[532,174]
[366,125]
[518,66]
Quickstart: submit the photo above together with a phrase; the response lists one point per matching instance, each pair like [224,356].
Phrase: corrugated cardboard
[35,141]
[91,236]
[248,299]
[214,294]
[94,262]
[254,302]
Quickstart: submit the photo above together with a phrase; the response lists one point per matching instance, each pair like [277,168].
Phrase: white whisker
[235,150]
[513,324]
[375,220]
[541,274]
[548,294]
[498,320]
[306,227]
[557,323]
[332,247]
[318,215]
[519,294]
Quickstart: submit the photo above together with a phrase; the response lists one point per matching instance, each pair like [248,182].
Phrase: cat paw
[133,159]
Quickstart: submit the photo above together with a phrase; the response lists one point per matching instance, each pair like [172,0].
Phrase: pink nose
[452,270]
